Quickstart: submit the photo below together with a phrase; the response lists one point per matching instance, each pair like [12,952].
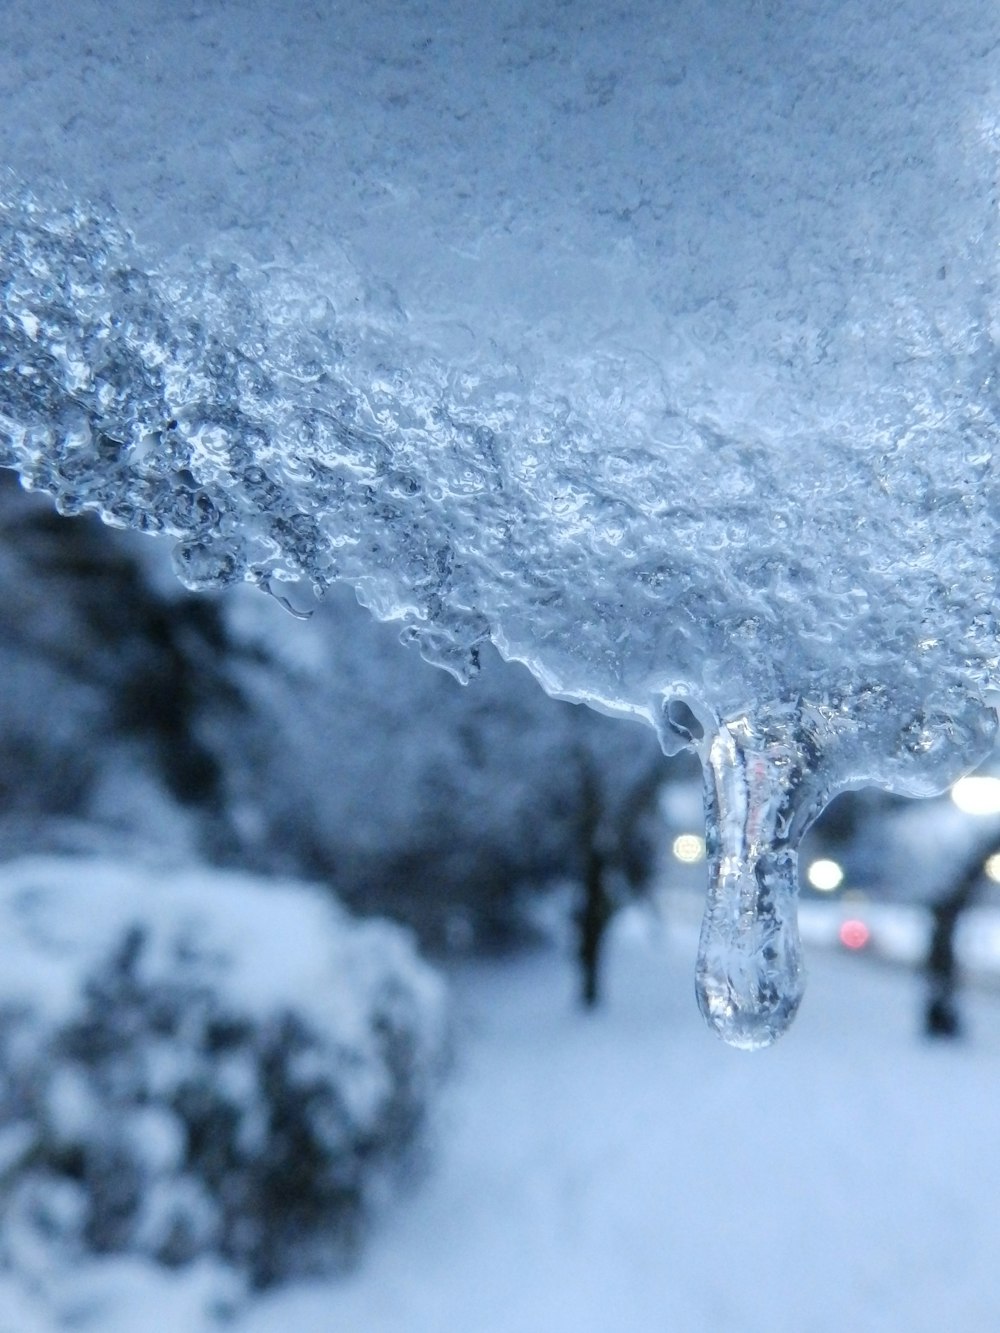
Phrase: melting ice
[659,350]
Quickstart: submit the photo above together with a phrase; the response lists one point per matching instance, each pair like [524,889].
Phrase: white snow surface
[624,1174]
[267,945]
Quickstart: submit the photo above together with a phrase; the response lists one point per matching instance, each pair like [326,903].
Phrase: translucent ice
[660,349]
[749,976]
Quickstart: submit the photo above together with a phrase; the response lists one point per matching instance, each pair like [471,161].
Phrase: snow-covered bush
[202,1064]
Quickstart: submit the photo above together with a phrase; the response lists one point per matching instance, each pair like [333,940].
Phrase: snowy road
[628,1174]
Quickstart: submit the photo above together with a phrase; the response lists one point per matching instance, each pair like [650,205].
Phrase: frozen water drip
[750,978]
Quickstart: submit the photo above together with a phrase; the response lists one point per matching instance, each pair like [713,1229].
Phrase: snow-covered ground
[626,1173]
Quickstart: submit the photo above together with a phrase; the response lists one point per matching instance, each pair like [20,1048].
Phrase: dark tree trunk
[941,1015]
[595,908]
[595,912]
[610,848]
[160,664]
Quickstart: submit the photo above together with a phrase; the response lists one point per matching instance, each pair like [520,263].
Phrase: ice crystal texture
[660,348]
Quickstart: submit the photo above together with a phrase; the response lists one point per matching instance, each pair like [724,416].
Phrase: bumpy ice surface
[660,348]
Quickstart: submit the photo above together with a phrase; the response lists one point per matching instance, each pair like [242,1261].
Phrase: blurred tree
[442,805]
[322,748]
[925,852]
[941,1015]
[112,666]
[615,811]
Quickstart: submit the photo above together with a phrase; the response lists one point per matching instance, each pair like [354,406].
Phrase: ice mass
[657,347]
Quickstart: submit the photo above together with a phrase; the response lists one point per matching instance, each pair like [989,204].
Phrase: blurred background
[336,994]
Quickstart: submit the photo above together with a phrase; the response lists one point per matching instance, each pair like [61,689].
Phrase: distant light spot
[689,848]
[992,867]
[977,795]
[854,934]
[825,875]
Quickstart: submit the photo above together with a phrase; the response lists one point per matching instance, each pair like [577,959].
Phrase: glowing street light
[689,848]
[977,795]
[825,875]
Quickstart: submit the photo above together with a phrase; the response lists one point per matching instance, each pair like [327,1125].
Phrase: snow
[287,945]
[620,1173]
[176,1044]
